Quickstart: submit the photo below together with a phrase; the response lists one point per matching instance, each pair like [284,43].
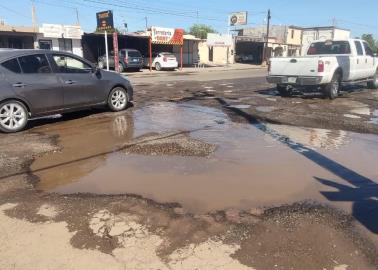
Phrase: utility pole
[334,22]
[77,17]
[146,23]
[267,36]
[34,16]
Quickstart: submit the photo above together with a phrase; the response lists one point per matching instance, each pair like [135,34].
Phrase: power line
[15,12]
[153,11]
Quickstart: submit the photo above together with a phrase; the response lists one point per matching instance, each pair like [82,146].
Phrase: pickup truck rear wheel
[374,83]
[284,90]
[332,89]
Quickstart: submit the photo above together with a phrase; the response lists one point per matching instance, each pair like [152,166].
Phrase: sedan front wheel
[118,99]
[13,116]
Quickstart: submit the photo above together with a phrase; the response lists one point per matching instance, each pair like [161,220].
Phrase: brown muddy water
[198,157]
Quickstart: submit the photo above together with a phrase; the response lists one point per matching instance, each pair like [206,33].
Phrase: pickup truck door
[357,62]
[369,63]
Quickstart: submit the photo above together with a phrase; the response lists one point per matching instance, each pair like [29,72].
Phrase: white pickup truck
[326,67]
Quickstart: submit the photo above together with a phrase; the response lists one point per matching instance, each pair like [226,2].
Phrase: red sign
[116,51]
[169,36]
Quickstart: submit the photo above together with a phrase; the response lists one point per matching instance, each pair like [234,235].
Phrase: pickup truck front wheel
[284,90]
[332,89]
[374,83]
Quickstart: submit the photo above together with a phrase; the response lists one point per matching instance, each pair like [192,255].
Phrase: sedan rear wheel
[13,116]
[158,66]
[118,99]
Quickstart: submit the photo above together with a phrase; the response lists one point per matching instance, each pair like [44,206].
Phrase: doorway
[211,54]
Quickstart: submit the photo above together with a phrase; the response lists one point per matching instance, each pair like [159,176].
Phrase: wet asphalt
[222,141]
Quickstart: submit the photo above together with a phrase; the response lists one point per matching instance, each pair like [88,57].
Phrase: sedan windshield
[329,47]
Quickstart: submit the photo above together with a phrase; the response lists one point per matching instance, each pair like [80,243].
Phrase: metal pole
[106,51]
[267,37]
[77,17]
[150,51]
[181,56]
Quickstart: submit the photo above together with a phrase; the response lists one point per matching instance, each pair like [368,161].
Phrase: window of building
[45,44]
[292,33]
[359,48]
[12,65]
[66,64]
[34,64]
[65,45]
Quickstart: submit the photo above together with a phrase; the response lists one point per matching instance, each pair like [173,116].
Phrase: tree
[201,30]
[369,38]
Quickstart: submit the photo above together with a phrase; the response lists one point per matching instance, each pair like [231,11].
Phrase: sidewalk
[191,70]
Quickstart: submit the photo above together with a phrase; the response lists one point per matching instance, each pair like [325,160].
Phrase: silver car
[35,83]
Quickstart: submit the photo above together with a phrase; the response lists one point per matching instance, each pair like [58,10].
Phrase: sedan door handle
[69,82]
[19,85]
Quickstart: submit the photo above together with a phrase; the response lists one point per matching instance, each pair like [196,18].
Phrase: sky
[358,16]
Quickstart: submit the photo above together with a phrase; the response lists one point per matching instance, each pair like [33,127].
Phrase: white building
[218,49]
[59,37]
[322,33]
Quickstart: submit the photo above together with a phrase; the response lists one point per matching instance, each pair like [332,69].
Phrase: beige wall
[219,54]
[294,36]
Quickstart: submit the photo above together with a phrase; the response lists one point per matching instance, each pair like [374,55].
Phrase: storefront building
[218,49]
[58,37]
[17,37]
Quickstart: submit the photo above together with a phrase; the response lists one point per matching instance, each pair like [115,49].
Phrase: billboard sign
[238,18]
[218,40]
[61,31]
[105,20]
[169,36]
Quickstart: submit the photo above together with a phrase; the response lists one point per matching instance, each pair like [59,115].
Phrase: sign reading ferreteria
[105,21]
[170,36]
[238,18]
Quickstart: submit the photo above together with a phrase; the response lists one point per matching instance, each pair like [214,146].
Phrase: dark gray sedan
[35,83]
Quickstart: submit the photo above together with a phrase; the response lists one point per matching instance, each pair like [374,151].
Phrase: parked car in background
[129,59]
[163,60]
[42,82]
[326,66]
[244,58]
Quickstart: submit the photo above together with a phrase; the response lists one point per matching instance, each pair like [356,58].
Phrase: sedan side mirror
[97,71]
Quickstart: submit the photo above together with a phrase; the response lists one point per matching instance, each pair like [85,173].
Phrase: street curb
[141,75]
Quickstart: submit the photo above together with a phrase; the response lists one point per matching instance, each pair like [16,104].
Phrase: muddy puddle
[198,157]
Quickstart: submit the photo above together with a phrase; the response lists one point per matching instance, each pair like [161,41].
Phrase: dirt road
[208,170]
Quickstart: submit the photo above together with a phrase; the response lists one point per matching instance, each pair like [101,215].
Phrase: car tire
[332,89]
[374,83]
[284,90]
[158,66]
[13,116]
[118,99]
[101,65]
[121,68]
